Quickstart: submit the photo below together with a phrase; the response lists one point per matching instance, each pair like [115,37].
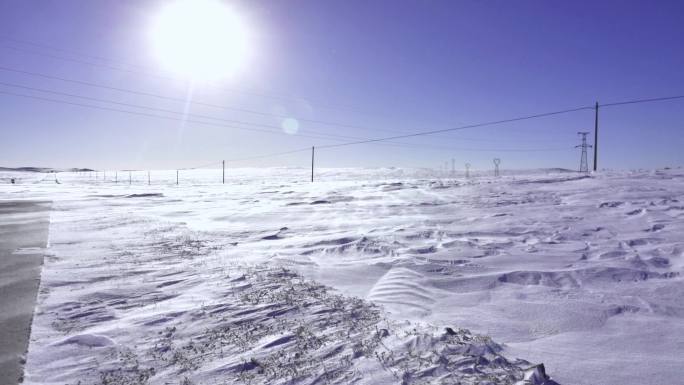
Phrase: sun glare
[200,39]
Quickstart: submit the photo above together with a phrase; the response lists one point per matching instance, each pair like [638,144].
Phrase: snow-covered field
[356,277]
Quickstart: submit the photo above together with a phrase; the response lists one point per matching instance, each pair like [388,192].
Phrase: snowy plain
[205,283]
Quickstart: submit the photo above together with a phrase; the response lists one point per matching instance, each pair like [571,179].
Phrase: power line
[71,52]
[181,100]
[467,149]
[459,128]
[277,128]
[364,141]
[149,115]
[250,129]
[359,141]
[506,120]
[635,101]
[149,72]
[223,107]
[171,98]
[276,131]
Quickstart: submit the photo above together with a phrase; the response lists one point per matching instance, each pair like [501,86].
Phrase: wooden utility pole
[596,108]
[176,177]
[224,171]
[312,162]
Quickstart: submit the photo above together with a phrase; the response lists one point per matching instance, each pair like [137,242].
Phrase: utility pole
[312,162]
[596,108]
[116,177]
[584,166]
[224,171]
[453,167]
[176,177]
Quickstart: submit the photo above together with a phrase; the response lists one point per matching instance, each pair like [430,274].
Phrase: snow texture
[376,276]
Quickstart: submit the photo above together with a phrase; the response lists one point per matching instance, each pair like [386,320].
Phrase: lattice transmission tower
[497,162]
[584,166]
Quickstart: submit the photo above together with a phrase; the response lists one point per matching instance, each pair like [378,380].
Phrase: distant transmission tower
[584,166]
[467,166]
[497,161]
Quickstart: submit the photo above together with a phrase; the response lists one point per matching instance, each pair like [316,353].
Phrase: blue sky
[374,68]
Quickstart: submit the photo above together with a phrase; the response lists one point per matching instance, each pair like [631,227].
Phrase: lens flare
[290,126]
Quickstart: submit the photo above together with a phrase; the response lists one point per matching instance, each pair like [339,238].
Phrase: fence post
[312,163]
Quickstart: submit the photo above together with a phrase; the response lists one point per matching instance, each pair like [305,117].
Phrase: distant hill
[43,169]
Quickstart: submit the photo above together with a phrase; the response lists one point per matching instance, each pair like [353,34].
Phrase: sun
[201,40]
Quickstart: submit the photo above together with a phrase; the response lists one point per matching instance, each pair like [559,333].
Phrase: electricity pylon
[584,166]
[497,161]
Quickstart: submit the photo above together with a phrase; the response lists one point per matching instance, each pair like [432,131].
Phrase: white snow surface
[355,278]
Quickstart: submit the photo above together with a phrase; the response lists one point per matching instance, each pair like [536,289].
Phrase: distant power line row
[490,123]
[142,70]
[194,102]
[259,127]
[353,142]
[251,126]
[185,119]
[123,66]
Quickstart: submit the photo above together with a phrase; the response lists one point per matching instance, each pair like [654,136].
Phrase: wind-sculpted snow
[157,304]
[580,272]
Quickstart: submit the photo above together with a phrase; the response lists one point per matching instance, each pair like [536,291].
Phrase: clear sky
[372,68]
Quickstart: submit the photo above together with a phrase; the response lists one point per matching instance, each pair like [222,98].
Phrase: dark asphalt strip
[23,225]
